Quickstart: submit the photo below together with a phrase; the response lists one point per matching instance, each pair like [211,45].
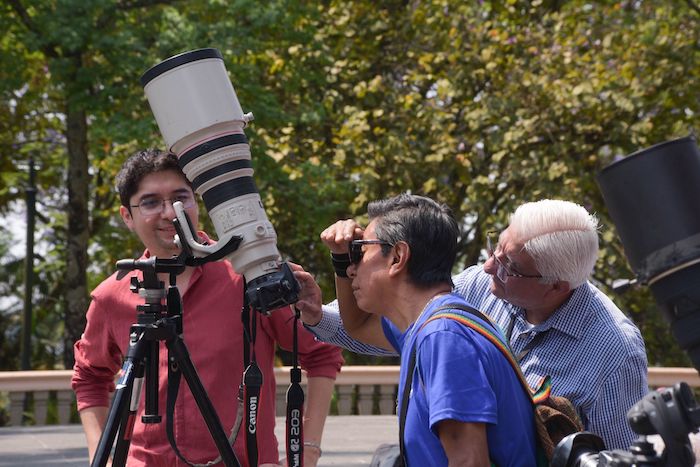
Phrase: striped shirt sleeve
[330,329]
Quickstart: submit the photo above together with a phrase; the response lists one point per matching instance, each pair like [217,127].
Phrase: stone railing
[40,384]
[362,390]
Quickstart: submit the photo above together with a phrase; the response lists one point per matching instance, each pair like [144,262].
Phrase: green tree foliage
[482,105]
[486,106]
[75,81]
[10,304]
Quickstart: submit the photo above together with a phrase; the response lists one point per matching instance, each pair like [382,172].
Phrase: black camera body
[672,413]
[273,290]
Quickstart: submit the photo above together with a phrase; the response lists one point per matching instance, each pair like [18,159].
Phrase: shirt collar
[571,316]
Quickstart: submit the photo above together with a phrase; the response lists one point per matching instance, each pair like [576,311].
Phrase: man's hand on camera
[309,303]
[338,236]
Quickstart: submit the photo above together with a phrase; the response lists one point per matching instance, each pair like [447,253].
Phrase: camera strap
[174,312]
[295,405]
[252,382]
[251,387]
[174,375]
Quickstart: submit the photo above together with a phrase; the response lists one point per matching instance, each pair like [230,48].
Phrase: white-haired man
[535,285]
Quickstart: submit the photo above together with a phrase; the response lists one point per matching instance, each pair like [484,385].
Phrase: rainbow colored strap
[488,330]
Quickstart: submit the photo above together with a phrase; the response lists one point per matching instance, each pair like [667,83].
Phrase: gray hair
[428,228]
[561,237]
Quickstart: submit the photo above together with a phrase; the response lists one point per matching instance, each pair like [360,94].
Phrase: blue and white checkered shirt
[330,329]
[594,354]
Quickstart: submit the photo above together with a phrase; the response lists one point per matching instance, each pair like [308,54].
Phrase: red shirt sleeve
[98,358]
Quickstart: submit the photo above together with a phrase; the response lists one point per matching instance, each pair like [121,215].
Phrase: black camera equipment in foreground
[653,197]
[155,322]
[202,123]
[671,413]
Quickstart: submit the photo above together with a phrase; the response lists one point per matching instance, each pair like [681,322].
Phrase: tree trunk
[76,293]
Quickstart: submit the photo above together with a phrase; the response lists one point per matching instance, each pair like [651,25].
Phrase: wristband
[311,444]
[341,261]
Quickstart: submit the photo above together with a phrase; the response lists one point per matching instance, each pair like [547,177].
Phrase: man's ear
[399,255]
[126,216]
[561,287]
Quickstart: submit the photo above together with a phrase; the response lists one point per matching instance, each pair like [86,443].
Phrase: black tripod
[155,322]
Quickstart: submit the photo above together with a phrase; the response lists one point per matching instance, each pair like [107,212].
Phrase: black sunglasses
[355,248]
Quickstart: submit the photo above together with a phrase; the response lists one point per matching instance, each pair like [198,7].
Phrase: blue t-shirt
[461,376]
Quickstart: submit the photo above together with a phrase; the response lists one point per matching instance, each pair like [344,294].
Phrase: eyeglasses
[355,248]
[152,206]
[503,272]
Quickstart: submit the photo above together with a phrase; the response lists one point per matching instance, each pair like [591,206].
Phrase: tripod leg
[126,425]
[182,357]
[119,417]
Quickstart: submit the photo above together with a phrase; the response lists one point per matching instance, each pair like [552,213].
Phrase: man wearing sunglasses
[466,404]
[534,284]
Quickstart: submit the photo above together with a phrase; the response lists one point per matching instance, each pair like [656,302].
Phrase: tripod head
[151,267]
[151,288]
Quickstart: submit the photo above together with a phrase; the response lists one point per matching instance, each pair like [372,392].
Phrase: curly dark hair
[140,164]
